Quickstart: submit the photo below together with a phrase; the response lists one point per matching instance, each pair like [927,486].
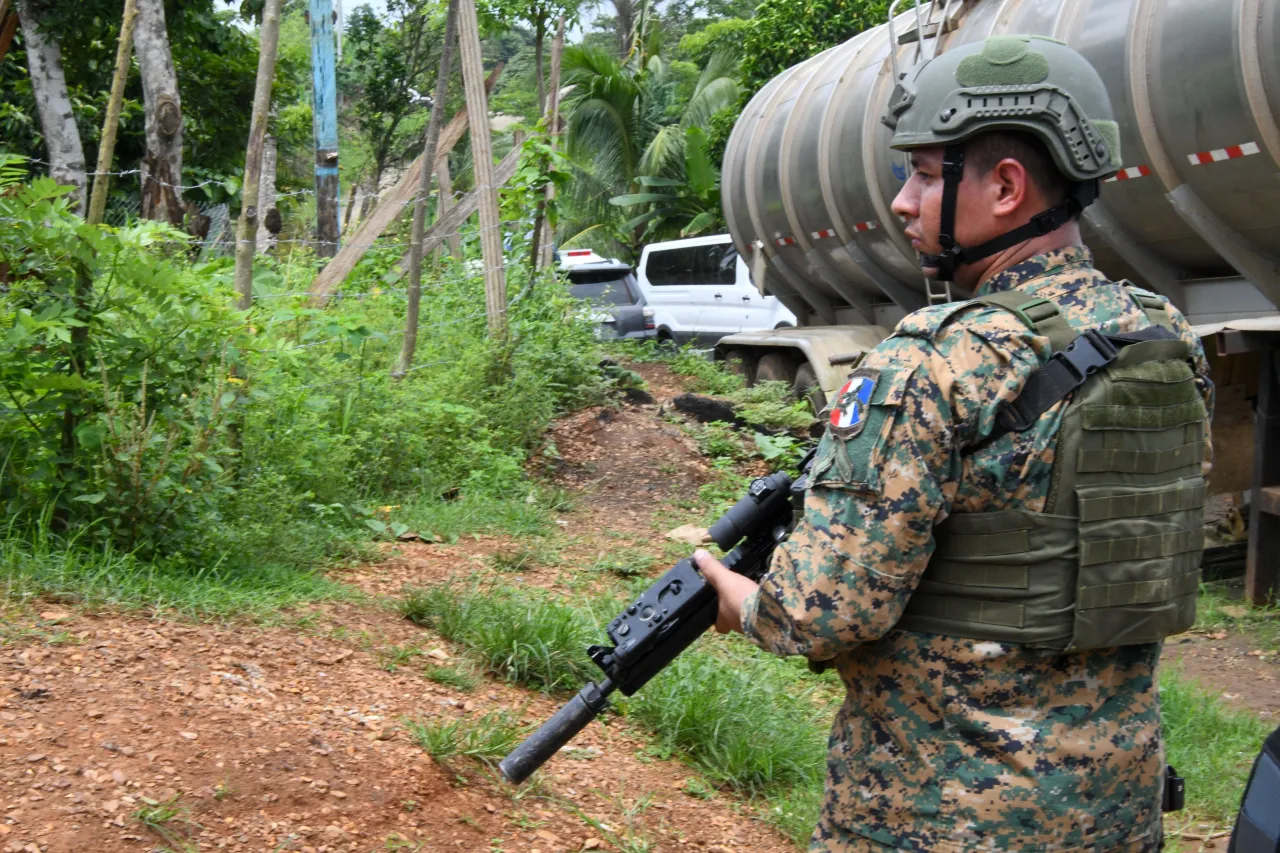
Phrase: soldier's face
[919,204]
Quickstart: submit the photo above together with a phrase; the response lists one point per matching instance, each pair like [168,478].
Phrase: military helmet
[1015,83]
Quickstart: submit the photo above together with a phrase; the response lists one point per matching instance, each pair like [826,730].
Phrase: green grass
[448,520]
[452,676]
[625,563]
[391,658]
[491,736]
[712,708]
[1217,609]
[1213,747]
[44,567]
[525,639]
[770,404]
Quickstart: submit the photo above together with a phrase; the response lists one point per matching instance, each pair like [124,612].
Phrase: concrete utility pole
[495,283]
[247,229]
[325,111]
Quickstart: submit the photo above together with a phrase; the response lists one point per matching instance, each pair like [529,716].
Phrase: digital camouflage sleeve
[946,744]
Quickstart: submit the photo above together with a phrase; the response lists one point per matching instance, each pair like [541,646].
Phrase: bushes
[139,406]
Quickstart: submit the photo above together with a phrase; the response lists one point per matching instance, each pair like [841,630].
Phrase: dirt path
[292,737]
[1245,676]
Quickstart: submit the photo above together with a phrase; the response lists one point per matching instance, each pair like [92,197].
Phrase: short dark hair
[984,153]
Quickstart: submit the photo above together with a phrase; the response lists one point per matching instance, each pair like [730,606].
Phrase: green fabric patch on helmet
[1004,61]
[1110,133]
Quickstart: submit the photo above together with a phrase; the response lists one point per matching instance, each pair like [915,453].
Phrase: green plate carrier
[1115,557]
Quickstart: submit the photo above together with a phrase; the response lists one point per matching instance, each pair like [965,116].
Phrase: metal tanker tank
[808,179]
[808,176]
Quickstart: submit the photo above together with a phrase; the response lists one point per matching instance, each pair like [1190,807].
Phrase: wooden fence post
[247,228]
[107,148]
[495,285]
[410,343]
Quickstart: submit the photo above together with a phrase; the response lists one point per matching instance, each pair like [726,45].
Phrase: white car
[700,290]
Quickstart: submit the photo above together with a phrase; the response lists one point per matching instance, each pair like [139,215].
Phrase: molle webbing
[1114,559]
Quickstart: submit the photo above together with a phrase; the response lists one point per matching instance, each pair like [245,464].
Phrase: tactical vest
[1114,559]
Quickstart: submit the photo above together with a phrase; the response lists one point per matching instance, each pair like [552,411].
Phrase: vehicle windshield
[610,286]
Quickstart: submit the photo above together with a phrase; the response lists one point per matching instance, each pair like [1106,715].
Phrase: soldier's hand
[731,588]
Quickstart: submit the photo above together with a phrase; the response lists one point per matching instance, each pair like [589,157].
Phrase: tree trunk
[267,198]
[543,250]
[162,168]
[625,24]
[424,189]
[248,226]
[540,36]
[53,103]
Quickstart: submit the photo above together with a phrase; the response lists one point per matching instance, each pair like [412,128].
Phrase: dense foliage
[140,411]
[215,61]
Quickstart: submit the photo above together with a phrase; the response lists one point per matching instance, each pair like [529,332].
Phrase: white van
[700,290]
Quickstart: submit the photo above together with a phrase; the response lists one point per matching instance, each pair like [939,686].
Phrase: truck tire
[806,387]
[742,363]
[775,367]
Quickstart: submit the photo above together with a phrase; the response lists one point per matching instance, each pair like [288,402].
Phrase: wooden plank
[495,283]
[448,224]
[388,210]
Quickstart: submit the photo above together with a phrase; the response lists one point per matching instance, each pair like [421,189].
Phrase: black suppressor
[668,616]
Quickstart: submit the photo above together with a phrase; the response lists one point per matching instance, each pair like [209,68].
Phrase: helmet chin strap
[953,255]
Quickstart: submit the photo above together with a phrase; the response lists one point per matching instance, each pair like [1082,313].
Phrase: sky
[380,6]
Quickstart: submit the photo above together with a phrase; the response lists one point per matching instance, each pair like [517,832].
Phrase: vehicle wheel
[806,387]
[775,367]
[666,341]
[741,363]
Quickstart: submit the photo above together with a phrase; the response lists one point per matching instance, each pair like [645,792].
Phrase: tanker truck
[808,178]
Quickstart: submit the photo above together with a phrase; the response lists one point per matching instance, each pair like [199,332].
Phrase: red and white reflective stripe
[1231,152]
[825,232]
[866,226]
[1129,174]
[786,241]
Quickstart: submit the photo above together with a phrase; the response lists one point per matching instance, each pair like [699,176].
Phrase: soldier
[1004,514]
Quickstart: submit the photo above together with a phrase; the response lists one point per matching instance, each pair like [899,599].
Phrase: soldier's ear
[1010,189]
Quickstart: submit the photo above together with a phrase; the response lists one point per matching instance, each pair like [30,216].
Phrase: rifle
[667,617]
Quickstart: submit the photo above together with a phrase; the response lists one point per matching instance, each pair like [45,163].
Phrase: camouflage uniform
[948,744]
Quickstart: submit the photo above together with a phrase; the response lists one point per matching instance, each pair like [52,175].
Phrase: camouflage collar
[1026,275]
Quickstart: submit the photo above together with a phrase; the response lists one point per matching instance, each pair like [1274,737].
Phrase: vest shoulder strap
[1155,306]
[1042,316]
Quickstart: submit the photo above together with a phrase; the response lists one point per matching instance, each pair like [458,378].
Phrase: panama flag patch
[849,414]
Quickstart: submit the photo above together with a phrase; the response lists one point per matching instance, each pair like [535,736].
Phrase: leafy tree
[785,32]
[216,63]
[388,68]
[541,15]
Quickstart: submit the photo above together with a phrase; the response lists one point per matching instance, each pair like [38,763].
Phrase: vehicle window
[601,286]
[672,267]
[715,264]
